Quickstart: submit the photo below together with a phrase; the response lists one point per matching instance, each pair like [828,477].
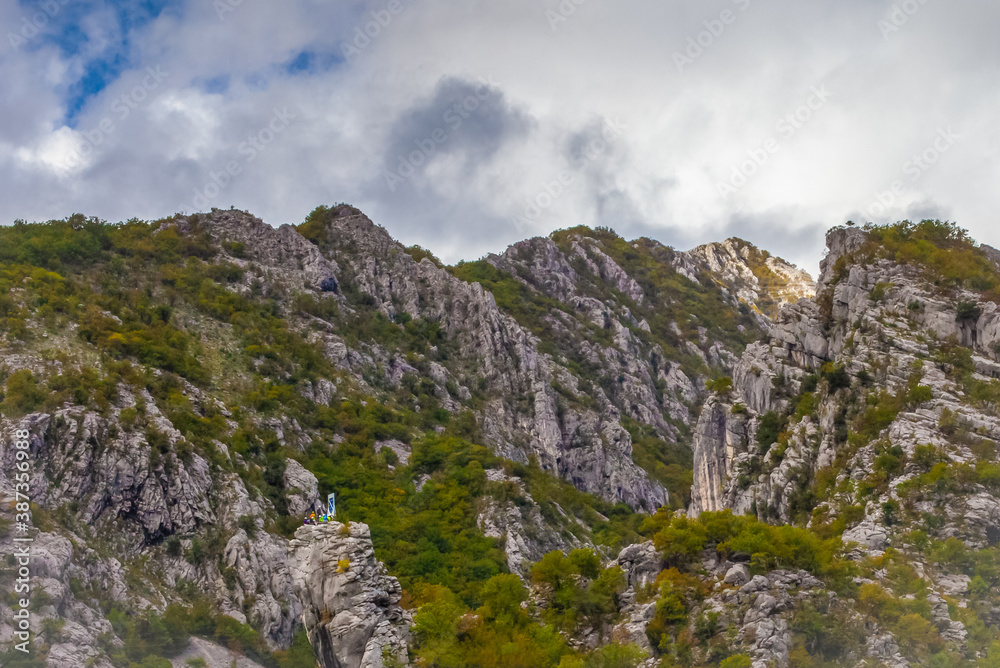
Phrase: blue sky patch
[66,31]
[313,62]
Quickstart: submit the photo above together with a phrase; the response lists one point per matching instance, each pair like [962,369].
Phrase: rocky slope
[351,607]
[869,410]
[189,388]
[175,379]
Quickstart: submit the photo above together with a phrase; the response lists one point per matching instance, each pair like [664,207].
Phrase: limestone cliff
[840,415]
[350,606]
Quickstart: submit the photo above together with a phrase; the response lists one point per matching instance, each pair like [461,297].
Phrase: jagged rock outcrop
[213,655]
[523,414]
[753,275]
[526,535]
[350,606]
[867,386]
[721,435]
[882,320]
[302,488]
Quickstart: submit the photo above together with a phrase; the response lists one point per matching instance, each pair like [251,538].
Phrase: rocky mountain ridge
[190,387]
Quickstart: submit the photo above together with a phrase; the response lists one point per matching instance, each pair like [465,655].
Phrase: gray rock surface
[350,607]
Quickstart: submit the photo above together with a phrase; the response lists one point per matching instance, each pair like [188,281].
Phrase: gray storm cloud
[467,126]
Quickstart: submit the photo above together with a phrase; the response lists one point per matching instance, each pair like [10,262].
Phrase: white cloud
[607,62]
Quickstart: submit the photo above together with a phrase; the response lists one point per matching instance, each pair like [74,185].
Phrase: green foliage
[680,539]
[880,411]
[770,427]
[836,376]
[678,592]
[878,292]
[500,634]
[315,226]
[614,525]
[968,311]
[721,386]
[615,655]
[825,632]
[944,250]
[909,620]
[578,591]
[418,253]
[529,307]
[429,536]
[669,463]
[919,394]
[807,405]
[736,661]
[21,394]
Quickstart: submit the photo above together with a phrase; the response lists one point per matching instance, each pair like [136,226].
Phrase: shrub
[807,405]
[22,394]
[737,661]
[968,310]
[926,456]
[615,655]
[721,386]
[919,394]
[249,525]
[878,292]
[945,251]
[771,425]
[837,377]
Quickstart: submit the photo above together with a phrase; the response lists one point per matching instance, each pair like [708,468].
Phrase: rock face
[302,488]
[350,606]
[753,275]
[581,352]
[526,535]
[886,326]
[872,384]
[719,435]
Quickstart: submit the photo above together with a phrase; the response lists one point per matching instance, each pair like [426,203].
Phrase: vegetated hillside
[514,438]
[869,415]
[191,385]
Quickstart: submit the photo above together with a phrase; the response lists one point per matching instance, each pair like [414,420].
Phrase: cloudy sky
[465,125]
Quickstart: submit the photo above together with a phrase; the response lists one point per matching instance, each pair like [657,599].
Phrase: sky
[466,125]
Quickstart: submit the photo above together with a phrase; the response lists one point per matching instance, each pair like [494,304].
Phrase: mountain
[582,451]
